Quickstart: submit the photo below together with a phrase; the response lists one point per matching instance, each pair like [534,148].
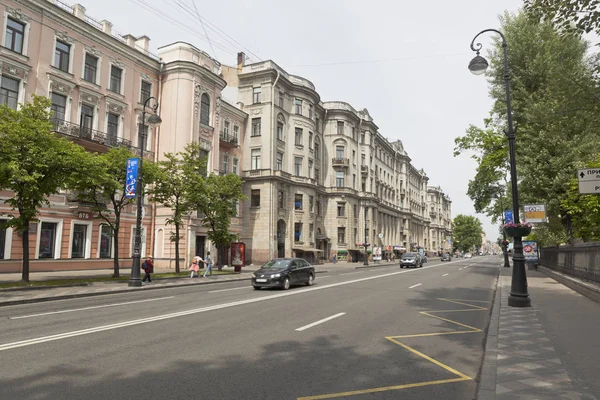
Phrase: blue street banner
[508,217]
[530,251]
[131,178]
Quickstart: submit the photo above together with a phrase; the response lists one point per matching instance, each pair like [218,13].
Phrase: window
[297,232]
[318,125]
[3,234]
[317,175]
[298,104]
[298,201]
[105,241]
[340,127]
[298,137]
[353,181]
[78,243]
[47,239]
[255,159]
[339,152]
[354,157]
[318,208]
[256,126]
[362,138]
[362,159]
[310,166]
[310,111]
[298,166]
[341,209]
[311,228]
[113,125]
[86,119]
[90,68]
[281,96]
[339,179]
[279,162]
[354,133]
[311,201]
[255,198]
[145,91]
[355,211]
[280,130]
[226,128]
[341,235]
[59,104]
[310,140]
[256,95]
[61,56]
[317,148]
[205,109]
[235,166]
[15,32]
[281,199]
[236,132]
[116,74]
[225,163]
[9,91]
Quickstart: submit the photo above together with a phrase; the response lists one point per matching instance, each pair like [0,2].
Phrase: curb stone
[486,389]
[120,291]
[589,290]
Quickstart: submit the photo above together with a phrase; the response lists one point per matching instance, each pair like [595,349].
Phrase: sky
[404,61]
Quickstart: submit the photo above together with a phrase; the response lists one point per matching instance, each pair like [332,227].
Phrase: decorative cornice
[87,96]
[60,86]
[17,14]
[64,36]
[118,63]
[92,50]
[115,106]
[146,77]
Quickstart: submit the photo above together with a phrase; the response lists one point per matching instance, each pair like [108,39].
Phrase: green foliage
[573,16]
[556,114]
[466,232]
[35,163]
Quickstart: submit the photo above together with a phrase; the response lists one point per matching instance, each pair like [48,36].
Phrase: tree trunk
[177,248]
[25,242]
[116,253]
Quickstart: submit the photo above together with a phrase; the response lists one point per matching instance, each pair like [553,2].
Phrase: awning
[307,250]
[342,251]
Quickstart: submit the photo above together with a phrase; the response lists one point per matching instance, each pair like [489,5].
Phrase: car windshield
[276,264]
[410,255]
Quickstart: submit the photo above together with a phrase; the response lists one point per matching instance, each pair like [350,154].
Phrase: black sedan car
[446,257]
[411,260]
[283,273]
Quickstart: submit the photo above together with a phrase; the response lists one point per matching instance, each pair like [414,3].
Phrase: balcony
[340,162]
[228,140]
[364,169]
[94,140]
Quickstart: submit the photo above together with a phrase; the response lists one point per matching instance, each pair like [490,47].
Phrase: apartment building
[440,219]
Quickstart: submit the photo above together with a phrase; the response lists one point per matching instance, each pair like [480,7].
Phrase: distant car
[411,260]
[468,255]
[446,257]
[283,273]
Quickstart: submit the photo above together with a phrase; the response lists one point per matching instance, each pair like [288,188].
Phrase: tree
[217,201]
[103,184]
[555,109]
[580,16]
[174,185]
[35,164]
[466,232]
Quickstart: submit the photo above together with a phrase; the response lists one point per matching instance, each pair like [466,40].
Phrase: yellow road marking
[461,377]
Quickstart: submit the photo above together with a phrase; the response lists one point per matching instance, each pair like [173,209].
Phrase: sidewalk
[548,351]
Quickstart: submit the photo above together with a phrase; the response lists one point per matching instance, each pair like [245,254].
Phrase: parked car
[468,255]
[411,260]
[446,257]
[283,273]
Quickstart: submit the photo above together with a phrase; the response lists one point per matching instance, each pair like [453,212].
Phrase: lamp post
[153,121]
[518,291]
[366,261]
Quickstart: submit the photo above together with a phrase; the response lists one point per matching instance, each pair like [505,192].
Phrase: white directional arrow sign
[589,180]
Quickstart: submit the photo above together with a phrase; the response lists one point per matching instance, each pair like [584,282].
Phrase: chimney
[130,40]
[241,59]
[106,27]
[79,11]
[143,42]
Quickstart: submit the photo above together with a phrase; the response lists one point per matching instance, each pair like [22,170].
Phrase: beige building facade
[440,207]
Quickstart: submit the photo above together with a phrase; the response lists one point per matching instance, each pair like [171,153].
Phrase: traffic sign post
[589,180]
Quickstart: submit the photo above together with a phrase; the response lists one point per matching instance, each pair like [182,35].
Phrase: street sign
[535,213]
[131,177]
[508,217]
[530,251]
[589,180]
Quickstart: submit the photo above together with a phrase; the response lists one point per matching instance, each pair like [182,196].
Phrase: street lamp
[518,291]
[153,121]
[366,243]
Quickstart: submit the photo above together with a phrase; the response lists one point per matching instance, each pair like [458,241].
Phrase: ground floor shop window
[105,241]
[3,234]
[79,241]
[47,239]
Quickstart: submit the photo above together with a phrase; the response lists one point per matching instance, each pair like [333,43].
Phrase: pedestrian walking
[148,267]
[195,267]
[335,259]
[208,262]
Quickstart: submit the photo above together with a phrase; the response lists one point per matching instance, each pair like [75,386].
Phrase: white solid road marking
[227,290]
[445,275]
[350,273]
[44,339]
[414,286]
[89,308]
[305,327]
[326,276]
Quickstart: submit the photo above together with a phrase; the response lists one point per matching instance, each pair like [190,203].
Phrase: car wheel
[256,287]
[311,280]
[286,284]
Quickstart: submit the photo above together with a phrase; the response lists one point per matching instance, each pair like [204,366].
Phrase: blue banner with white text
[131,178]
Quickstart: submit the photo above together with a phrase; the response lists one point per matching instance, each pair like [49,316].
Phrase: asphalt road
[383,333]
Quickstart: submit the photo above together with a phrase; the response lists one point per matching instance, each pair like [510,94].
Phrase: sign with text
[508,217]
[589,180]
[238,254]
[131,178]
[530,251]
[535,213]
